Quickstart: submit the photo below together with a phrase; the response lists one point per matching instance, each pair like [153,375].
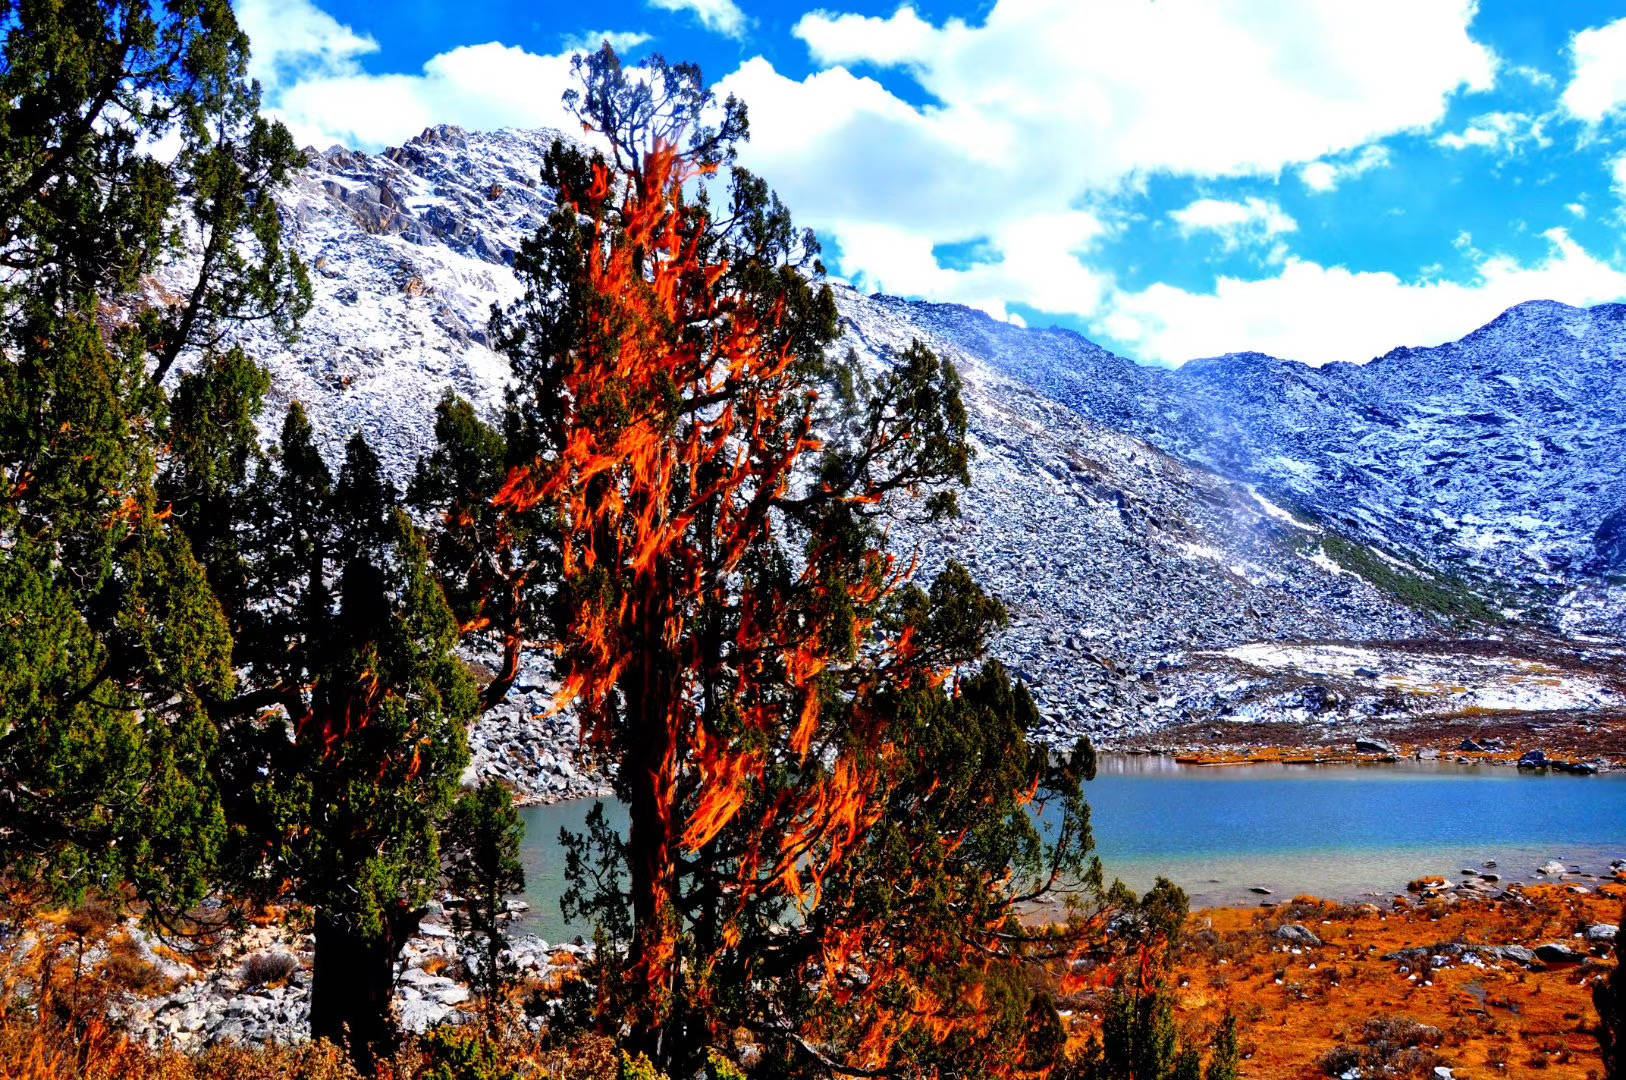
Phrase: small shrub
[269,968]
[1389,1047]
[127,969]
[1340,1060]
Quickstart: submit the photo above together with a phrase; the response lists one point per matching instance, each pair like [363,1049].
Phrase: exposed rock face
[1155,534]
[1494,454]
[229,1006]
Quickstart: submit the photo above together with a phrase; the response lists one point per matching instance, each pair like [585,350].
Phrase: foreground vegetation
[1241,984]
[233,675]
[237,674]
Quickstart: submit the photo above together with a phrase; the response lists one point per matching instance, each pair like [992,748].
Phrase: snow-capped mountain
[1138,522]
[1496,456]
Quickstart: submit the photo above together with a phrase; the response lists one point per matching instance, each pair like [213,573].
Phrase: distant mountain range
[1498,455]
[1132,517]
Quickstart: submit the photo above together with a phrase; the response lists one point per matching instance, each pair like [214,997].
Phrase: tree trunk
[651,839]
[353,982]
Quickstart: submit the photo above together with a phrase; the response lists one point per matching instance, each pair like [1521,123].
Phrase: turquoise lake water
[1334,831]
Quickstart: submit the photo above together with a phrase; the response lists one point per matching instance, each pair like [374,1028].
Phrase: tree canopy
[128,131]
[835,811]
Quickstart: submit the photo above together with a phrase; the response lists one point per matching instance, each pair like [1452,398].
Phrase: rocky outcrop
[235,1004]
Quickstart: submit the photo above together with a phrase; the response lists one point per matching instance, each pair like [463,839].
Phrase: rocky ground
[253,987]
[1498,973]
[1451,983]
[1485,701]
[532,748]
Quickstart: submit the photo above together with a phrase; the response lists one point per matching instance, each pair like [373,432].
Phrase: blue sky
[1317,179]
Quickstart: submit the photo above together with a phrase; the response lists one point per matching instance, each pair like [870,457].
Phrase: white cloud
[1617,175]
[309,65]
[1212,87]
[294,39]
[719,16]
[1324,176]
[1051,108]
[1251,221]
[474,86]
[1534,76]
[620,40]
[1503,132]
[1577,210]
[1598,85]
[1320,314]
[851,39]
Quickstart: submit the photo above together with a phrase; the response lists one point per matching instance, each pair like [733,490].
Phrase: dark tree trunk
[651,774]
[353,982]
[1610,998]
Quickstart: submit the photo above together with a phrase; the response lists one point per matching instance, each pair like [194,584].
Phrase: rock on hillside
[1494,457]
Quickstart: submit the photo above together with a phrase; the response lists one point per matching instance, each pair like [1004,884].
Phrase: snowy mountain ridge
[1143,525]
[1495,456]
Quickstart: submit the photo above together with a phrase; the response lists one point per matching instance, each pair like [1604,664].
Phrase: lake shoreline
[1352,831]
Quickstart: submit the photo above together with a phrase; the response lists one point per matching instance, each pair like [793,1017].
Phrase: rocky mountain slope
[1494,458]
[1133,519]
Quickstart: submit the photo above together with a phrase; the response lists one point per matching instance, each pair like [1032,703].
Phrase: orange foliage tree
[834,814]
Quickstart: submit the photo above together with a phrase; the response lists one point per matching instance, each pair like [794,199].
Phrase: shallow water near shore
[1340,832]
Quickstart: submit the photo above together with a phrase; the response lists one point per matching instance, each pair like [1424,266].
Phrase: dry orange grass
[1493,1021]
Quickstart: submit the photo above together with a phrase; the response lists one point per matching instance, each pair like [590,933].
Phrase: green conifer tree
[483,869]
[342,752]
[1225,1057]
[111,641]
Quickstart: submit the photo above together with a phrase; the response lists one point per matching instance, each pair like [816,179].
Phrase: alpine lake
[1264,833]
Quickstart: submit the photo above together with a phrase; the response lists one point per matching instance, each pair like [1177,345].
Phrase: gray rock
[1602,933]
[1297,934]
[1557,953]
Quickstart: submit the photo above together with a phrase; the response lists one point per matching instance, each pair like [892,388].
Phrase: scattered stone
[1372,746]
[1297,934]
[1552,867]
[1533,759]
[1556,953]
[1577,768]
[1602,933]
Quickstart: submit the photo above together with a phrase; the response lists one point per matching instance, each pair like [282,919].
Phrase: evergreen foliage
[483,870]
[834,807]
[112,642]
[342,753]
[1225,1061]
